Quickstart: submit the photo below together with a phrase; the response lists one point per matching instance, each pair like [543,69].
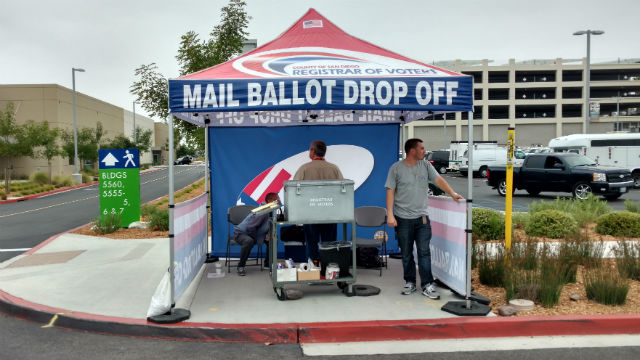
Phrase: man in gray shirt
[407,185]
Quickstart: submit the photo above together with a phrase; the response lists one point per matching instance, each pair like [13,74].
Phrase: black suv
[185,160]
[439,160]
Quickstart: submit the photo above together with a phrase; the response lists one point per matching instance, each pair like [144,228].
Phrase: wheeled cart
[344,283]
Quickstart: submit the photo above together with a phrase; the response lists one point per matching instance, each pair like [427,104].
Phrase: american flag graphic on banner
[311,24]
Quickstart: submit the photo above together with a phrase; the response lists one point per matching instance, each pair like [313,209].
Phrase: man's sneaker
[408,288]
[241,271]
[430,291]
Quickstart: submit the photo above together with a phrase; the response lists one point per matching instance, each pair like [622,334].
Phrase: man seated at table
[254,229]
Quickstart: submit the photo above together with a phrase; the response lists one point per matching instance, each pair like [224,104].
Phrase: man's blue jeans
[408,232]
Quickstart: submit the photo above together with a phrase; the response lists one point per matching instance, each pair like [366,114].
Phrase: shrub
[3,195]
[622,223]
[551,223]
[588,210]
[159,220]
[580,249]
[60,180]
[39,178]
[628,259]
[524,254]
[521,284]
[553,276]
[87,178]
[520,220]
[605,286]
[632,206]
[491,267]
[147,210]
[583,211]
[107,224]
[487,224]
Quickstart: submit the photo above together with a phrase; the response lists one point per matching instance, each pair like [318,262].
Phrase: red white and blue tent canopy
[315,73]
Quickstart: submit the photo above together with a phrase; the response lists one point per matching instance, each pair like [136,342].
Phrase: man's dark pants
[247,243]
[314,233]
[408,232]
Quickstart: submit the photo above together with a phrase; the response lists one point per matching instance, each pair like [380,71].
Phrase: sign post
[509,185]
[120,184]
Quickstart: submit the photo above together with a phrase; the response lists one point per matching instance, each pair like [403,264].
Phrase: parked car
[483,158]
[563,172]
[434,190]
[185,160]
[620,150]
[439,160]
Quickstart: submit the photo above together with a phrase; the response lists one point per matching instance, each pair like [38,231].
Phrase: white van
[457,150]
[483,158]
[619,150]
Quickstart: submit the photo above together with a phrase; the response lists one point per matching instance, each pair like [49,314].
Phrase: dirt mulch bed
[566,306]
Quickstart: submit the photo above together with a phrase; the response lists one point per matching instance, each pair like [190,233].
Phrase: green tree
[143,139]
[226,40]
[142,143]
[89,141]
[15,141]
[46,142]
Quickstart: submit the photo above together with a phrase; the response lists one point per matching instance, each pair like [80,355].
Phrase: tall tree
[142,143]
[226,40]
[46,142]
[15,141]
[89,141]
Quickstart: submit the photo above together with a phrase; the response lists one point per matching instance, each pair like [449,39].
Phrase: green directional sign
[120,184]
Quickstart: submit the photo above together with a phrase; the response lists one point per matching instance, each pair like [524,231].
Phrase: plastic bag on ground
[161,299]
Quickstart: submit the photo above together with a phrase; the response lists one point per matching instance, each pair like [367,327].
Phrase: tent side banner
[283,94]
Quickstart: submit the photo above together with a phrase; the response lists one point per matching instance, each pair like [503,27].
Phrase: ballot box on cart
[318,200]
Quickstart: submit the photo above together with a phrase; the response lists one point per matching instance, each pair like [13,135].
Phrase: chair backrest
[370,216]
[236,214]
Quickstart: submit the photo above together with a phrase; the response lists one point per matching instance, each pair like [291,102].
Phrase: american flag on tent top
[315,73]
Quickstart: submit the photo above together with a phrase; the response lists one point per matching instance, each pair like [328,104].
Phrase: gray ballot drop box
[309,201]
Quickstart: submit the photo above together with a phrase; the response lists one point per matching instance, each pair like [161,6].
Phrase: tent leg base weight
[460,308]
[480,299]
[174,316]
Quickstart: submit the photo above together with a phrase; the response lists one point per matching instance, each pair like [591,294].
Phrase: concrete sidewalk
[105,285]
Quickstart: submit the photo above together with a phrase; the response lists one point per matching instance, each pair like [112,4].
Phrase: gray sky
[42,39]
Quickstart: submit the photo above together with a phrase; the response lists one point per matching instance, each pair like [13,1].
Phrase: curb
[333,332]
[34,196]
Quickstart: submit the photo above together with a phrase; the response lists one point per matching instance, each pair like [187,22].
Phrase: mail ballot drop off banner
[120,184]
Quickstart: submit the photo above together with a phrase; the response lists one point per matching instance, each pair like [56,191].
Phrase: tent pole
[206,176]
[171,208]
[207,189]
[469,207]
[403,139]
[444,135]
